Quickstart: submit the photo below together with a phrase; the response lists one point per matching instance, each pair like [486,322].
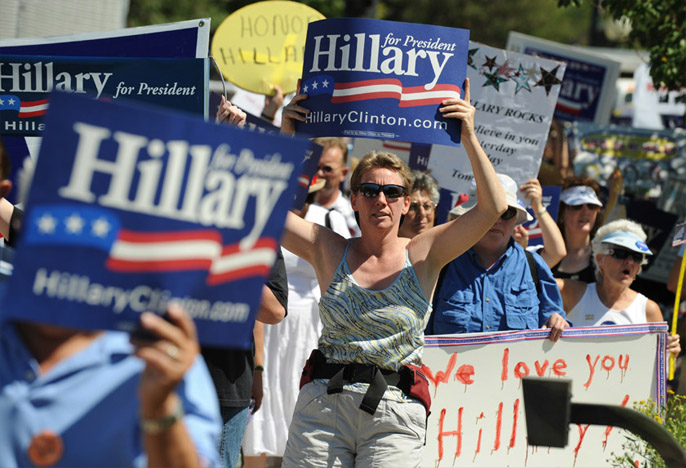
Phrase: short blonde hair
[383,160]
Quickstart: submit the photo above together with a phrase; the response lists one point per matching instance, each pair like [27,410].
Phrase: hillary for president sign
[382,79]
[132,208]
[26,82]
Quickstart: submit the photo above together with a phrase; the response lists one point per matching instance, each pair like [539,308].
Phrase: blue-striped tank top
[384,327]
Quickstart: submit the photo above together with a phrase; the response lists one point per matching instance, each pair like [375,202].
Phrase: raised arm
[443,243]
[554,248]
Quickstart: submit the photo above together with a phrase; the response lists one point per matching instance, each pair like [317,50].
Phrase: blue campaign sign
[132,207]
[307,175]
[551,202]
[26,81]
[382,79]
[580,93]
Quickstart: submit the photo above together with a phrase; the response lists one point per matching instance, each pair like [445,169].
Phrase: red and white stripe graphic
[33,108]
[392,88]
[190,250]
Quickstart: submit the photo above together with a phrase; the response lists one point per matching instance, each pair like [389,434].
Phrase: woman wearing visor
[578,220]
[619,251]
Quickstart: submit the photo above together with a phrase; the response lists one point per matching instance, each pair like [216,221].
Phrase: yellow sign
[262,45]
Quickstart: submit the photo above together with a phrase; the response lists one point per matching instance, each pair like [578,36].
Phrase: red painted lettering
[591,369]
[521,370]
[624,367]
[464,374]
[540,369]
[442,433]
[498,427]
[582,434]
[506,356]
[513,436]
[608,429]
[441,377]
[608,363]
[559,367]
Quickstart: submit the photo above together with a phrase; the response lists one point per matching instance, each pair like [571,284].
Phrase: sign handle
[675,315]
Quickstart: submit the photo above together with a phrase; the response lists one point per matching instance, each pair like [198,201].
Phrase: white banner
[477,413]
[514,95]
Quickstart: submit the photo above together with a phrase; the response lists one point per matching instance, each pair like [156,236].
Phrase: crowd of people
[332,379]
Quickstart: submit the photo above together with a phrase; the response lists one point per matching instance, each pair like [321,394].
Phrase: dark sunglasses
[370,190]
[509,214]
[587,205]
[623,254]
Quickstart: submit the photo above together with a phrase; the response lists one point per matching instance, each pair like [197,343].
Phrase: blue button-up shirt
[90,400]
[473,299]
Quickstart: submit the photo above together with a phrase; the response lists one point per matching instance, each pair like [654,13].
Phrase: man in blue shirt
[491,287]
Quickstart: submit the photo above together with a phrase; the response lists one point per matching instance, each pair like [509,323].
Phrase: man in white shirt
[333,167]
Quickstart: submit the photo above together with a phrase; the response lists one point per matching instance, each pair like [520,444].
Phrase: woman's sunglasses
[509,214]
[370,190]
[623,254]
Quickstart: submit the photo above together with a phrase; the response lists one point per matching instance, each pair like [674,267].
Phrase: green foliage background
[659,26]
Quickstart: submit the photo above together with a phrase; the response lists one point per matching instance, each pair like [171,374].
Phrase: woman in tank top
[578,220]
[376,292]
[619,250]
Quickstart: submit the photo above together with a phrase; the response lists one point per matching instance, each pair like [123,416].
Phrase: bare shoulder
[653,312]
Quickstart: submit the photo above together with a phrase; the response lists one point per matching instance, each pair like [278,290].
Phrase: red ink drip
[478,442]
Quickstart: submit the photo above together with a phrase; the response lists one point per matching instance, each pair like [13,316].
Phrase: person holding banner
[363,400]
[579,218]
[619,251]
[497,285]
[424,198]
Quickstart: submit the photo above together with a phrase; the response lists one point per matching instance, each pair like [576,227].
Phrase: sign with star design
[588,92]
[514,96]
[382,79]
[131,208]
[26,82]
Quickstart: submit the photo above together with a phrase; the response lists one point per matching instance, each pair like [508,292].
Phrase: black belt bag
[409,379]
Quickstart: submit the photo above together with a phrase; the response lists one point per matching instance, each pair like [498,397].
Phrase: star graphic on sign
[1,102]
[47,224]
[505,69]
[470,57]
[521,78]
[325,83]
[548,79]
[74,224]
[305,89]
[314,85]
[493,80]
[10,101]
[490,63]
[100,227]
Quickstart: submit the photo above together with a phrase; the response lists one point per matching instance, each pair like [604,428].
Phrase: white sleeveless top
[591,311]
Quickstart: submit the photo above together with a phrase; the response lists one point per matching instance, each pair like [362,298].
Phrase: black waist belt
[378,380]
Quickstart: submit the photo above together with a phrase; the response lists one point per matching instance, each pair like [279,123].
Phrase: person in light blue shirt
[491,287]
[79,398]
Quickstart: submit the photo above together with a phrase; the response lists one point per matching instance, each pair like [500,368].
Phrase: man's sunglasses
[623,254]
[370,190]
[509,214]
[587,205]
